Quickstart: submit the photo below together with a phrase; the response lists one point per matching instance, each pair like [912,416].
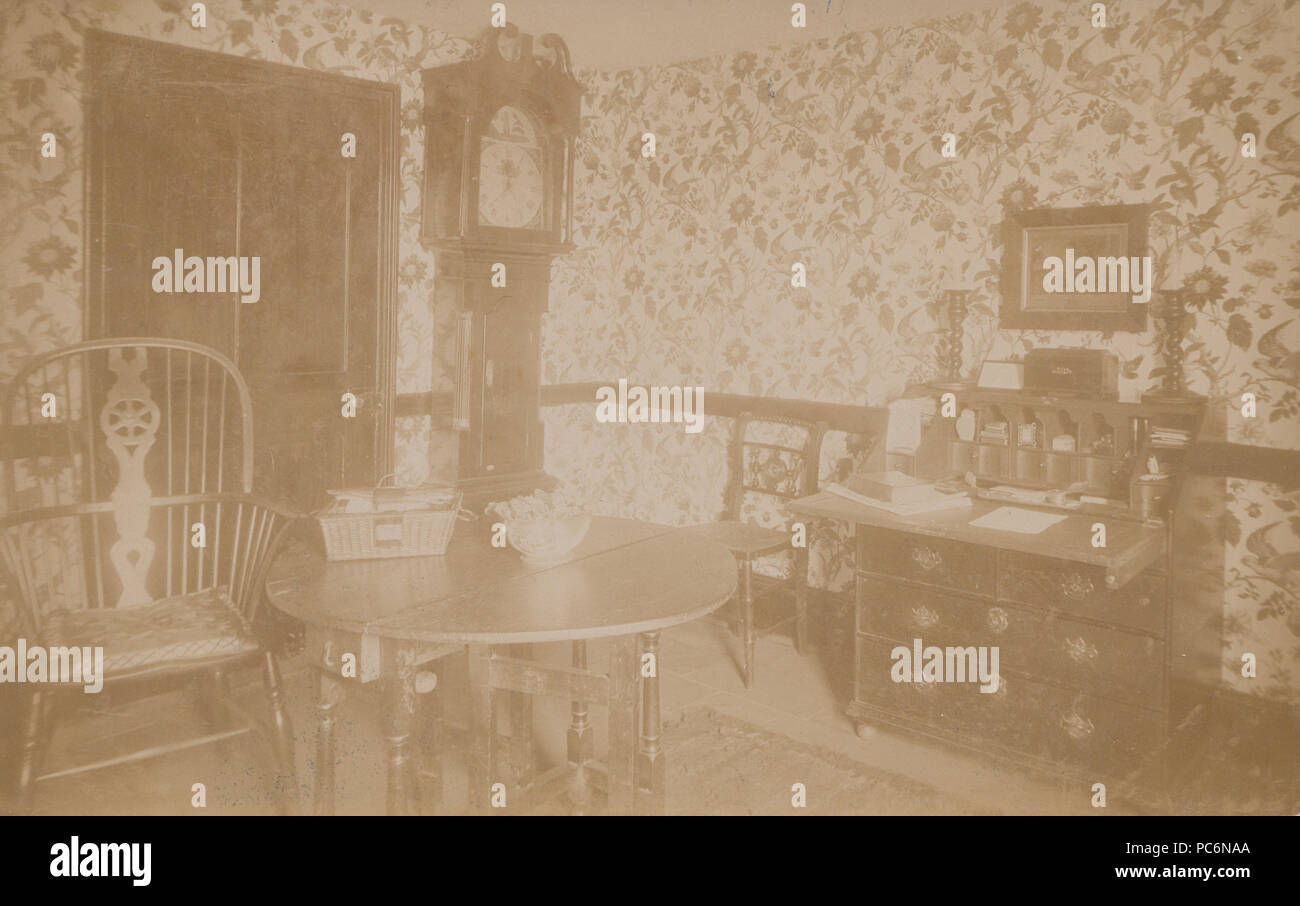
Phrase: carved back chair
[130,524]
[775,459]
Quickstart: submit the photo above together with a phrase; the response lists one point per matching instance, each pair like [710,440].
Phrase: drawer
[1080,589]
[944,706]
[1024,715]
[1100,660]
[933,561]
[1062,725]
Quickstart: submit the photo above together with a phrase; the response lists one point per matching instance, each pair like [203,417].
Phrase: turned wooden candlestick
[954,305]
[1173,320]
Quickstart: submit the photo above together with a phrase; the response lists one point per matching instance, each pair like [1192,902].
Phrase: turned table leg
[328,692]
[801,599]
[580,739]
[623,673]
[650,756]
[745,596]
[399,712]
[519,743]
[483,770]
[429,734]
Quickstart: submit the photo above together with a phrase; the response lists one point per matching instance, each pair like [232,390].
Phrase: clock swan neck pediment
[499,76]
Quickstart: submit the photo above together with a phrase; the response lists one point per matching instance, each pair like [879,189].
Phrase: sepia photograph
[649,408]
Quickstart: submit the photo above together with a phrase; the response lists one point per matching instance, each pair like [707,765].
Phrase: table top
[741,537]
[625,577]
[1130,546]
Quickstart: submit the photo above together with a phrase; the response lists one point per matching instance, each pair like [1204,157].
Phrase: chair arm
[267,521]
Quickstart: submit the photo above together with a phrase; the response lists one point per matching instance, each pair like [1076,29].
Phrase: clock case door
[497,397]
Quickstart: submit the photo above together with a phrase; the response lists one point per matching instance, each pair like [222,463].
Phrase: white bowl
[547,542]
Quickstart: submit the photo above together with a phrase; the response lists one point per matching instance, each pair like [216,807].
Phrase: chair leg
[746,600]
[29,757]
[211,701]
[286,781]
[801,600]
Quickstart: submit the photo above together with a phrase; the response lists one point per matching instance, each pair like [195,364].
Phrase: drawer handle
[1080,650]
[1076,586]
[1076,726]
[926,557]
[924,617]
[997,619]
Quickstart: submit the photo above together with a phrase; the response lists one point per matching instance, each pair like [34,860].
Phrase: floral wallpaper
[827,154]
[822,153]
[41,208]
[41,218]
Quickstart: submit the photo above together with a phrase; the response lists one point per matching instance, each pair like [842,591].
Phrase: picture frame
[1029,237]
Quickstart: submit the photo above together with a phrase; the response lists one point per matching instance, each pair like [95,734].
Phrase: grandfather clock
[498,195]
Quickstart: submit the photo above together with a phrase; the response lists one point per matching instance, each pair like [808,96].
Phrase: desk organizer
[1033,440]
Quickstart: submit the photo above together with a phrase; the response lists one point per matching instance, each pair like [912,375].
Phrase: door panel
[218,155]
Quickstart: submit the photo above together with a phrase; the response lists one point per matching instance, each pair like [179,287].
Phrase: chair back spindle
[126,474]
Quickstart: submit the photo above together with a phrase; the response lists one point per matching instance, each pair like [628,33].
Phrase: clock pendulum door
[508,345]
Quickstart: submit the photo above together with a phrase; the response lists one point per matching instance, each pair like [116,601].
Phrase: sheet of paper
[1015,519]
[934,504]
[903,431]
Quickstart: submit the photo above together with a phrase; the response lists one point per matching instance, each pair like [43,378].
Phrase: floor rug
[718,765]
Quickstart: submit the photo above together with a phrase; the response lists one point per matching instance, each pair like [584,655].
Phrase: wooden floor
[800,697]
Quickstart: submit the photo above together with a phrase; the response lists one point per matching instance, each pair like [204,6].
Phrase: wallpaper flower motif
[40,232]
[41,199]
[824,153]
[828,154]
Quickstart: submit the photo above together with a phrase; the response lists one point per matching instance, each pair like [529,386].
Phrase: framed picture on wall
[1076,269]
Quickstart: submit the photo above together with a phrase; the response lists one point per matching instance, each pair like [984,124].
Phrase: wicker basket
[396,533]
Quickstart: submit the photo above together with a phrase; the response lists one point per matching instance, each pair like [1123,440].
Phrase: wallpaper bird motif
[827,154]
[824,153]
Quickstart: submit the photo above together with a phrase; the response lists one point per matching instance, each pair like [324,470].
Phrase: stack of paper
[1170,437]
[995,433]
[934,502]
[891,487]
[390,500]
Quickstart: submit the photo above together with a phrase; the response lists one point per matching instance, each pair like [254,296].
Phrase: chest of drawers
[1083,659]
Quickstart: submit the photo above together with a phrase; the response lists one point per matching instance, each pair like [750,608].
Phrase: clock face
[511,188]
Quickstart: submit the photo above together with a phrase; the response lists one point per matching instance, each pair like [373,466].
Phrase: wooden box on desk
[1073,372]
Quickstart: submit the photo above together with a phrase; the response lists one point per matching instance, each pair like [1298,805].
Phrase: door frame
[100,45]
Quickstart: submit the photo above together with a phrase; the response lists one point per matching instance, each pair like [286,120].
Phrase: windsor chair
[131,524]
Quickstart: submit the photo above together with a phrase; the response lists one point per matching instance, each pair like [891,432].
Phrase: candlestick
[1172,323]
[954,306]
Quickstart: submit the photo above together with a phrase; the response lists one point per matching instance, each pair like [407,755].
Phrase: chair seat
[169,632]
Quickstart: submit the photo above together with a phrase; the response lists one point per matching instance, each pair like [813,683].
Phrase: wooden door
[221,156]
